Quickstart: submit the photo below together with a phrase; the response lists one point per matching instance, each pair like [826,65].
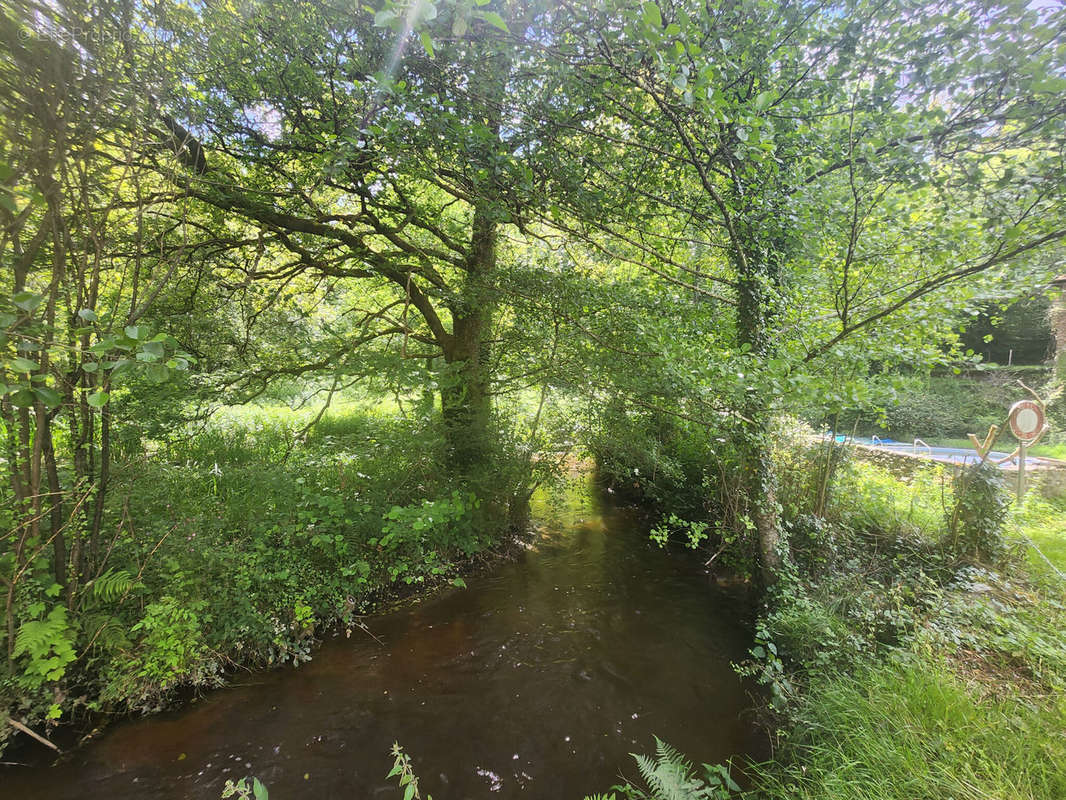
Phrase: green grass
[967,701]
[871,496]
[1044,522]
[910,729]
[1051,451]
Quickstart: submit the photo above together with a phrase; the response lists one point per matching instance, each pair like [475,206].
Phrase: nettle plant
[418,536]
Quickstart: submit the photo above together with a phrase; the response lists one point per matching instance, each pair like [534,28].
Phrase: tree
[78,230]
[845,166]
[349,152]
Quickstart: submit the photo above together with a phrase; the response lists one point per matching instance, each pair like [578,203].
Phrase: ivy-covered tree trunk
[758,276]
[465,400]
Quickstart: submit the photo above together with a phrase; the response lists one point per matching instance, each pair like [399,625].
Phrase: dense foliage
[490,232]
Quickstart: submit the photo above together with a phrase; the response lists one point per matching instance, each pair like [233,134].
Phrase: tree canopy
[715,213]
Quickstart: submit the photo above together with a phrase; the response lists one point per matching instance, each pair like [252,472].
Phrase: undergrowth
[917,647]
[238,543]
[922,650]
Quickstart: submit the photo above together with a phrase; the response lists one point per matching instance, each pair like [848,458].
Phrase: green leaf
[23,398]
[259,791]
[20,364]
[120,366]
[47,395]
[97,399]
[409,792]
[426,11]
[652,15]
[27,301]
[427,43]
[132,331]
[495,20]
[87,314]
[153,348]
[157,373]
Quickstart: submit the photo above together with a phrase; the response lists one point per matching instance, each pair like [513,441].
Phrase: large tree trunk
[465,396]
[760,478]
[465,400]
[464,392]
[755,312]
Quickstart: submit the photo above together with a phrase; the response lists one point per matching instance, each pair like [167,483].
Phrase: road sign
[1026,420]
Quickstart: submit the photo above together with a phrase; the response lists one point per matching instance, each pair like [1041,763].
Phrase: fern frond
[666,754]
[36,637]
[105,631]
[669,775]
[111,586]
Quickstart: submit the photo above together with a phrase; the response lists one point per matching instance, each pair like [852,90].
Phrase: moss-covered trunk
[757,287]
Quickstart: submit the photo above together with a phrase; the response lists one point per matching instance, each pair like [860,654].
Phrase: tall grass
[921,675]
[1043,521]
[909,729]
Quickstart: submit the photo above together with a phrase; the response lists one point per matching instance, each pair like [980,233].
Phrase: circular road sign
[1026,420]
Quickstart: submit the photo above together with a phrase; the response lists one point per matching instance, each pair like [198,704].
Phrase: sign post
[1026,419]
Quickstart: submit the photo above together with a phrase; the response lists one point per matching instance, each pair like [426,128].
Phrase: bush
[237,541]
[975,527]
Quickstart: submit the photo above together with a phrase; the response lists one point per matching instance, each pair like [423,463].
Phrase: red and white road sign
[1026,420]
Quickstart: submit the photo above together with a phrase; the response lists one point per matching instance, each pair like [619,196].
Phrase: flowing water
[537,680]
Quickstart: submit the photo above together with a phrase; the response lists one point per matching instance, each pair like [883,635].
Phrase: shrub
[975,526]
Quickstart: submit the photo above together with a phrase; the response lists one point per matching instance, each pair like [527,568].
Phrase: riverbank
[915,647]
[236,547]
[907,672]
[538,679]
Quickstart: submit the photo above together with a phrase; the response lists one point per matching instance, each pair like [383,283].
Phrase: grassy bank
[913,672]
[905,657]
[234,544]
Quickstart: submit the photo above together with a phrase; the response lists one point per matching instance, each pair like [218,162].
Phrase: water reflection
[540,678]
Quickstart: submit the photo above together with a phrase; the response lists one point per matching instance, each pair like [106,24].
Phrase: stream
[539,679]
